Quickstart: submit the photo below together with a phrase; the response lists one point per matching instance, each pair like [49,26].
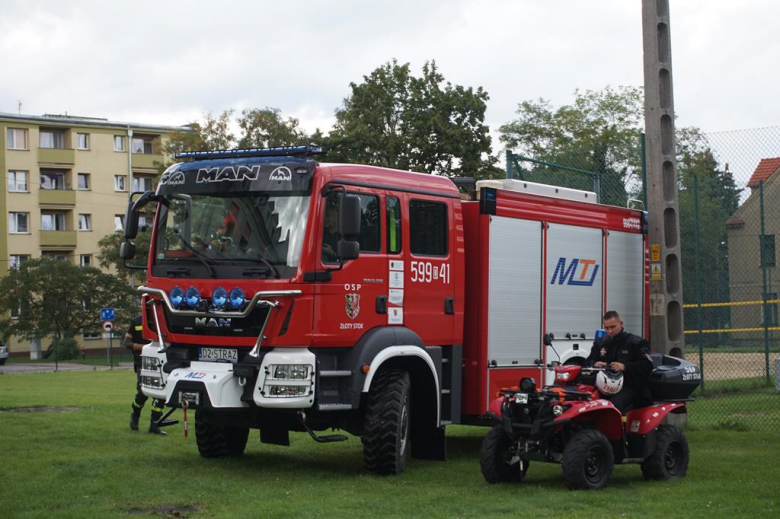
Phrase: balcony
[61,197]
[58,239]
[56,156]
[145,161]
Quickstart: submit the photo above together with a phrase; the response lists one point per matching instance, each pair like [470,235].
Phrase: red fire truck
[287,295]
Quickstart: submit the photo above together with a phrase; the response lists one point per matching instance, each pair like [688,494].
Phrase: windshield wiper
[266,263]
[197,254]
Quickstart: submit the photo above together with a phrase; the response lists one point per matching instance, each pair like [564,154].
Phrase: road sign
[107,314]
[108,326]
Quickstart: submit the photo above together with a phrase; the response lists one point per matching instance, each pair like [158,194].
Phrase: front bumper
[216,385]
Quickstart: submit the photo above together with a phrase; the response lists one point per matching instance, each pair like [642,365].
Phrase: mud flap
[429,443]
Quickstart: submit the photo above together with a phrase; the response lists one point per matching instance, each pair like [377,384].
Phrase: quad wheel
[588,461]
[386,428]
[499,460]
[670,457]
[216,440]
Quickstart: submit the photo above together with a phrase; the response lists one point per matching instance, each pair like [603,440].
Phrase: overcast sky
[168,62]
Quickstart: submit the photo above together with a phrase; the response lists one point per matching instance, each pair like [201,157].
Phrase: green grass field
[87,463]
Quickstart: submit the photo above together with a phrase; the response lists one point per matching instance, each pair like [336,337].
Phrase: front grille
[248,326]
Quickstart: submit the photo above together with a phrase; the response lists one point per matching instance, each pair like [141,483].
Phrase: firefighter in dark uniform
[627,353]
[135,342]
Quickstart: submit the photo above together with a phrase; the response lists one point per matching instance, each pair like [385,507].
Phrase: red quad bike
[569,423]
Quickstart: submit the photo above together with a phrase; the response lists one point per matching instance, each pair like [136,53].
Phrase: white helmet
[609,382]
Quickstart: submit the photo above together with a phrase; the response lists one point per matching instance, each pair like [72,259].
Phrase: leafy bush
[66,349]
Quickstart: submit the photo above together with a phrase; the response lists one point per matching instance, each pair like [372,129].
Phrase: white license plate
[217,354]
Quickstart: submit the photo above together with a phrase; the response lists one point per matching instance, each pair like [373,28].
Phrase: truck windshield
[258,232]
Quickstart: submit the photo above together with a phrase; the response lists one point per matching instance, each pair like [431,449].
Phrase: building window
[91,336]
[428,228]
[83,139]
[16,260]
[119,222]
[62,256]
[120,182]
[17,223]
[85,260]
[52,139]
[142,146]
[142,183]
[84,181]
[85,222]
[52,221]
[52,179]
[16,139]
[767,242]
[119,143]
[17,181]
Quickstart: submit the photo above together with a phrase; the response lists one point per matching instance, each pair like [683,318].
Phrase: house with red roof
[751,230]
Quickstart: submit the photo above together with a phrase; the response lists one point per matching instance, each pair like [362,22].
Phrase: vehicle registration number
[218,354]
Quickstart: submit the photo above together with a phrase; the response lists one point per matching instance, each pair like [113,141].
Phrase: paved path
[17,368]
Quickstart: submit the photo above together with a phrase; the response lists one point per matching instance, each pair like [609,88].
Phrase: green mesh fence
[729,219]
[729,196]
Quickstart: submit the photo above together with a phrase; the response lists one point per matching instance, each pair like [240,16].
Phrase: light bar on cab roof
[253,152]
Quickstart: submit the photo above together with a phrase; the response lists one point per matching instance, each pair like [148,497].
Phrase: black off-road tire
[495,456]
[588,461]
[216,440]
[671,456]
[387,420]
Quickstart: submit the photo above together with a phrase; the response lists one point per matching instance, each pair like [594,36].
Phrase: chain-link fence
[729,194]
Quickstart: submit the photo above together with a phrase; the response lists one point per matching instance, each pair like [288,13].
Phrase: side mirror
[131,216]
[547,339]
[349,227]
[127,250]
[349,217]
[348,250]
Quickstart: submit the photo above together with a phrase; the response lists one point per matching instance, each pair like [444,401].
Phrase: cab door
[428,279]
[355,298]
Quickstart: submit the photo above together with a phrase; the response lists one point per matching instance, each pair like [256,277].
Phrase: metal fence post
[697,274]
[763,275]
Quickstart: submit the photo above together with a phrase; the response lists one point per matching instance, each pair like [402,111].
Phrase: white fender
[404,351]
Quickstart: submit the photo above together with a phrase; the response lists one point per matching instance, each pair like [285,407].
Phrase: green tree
[266,128]
[598,132]
[47,297]
[707,197]
[212,133]
[425,124]
[108,255]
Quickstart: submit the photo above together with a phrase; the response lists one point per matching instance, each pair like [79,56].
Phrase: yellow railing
[734,303]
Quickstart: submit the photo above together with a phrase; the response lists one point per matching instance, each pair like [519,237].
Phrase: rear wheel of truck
[499,460]
[386,430]
[588,461]
[670,457]
[216,440]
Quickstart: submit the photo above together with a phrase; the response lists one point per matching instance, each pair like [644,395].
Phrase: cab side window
[393,212]
[428,228]
[370,235]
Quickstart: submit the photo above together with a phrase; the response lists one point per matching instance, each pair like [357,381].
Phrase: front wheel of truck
[216,440]
[386,431]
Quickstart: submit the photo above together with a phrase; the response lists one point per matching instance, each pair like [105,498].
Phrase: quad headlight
[289,371]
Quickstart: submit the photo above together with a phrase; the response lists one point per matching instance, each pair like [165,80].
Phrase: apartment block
[67,184]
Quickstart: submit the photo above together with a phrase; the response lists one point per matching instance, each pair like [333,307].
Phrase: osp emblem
[281,173]
[352,305]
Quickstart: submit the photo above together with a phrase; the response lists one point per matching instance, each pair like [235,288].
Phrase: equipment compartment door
[625,279]
[515,292]
[575,261]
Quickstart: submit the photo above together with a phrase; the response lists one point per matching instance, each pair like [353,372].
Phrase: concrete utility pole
[666,312]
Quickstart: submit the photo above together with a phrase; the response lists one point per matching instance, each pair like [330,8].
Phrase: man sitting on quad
[627,354]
